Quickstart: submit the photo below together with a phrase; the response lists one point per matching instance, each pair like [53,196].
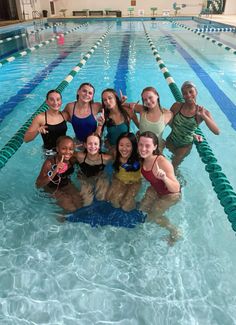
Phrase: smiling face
[54,101]
[109,100]
[150,99]
[146,147]
[125,148]
[85,93]
[65,148]
[92,144]
[189,94]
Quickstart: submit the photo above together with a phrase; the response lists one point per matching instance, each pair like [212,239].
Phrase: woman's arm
[164,170]
[107,158]
[43,178]
[35,128]
[133,107]
[68,111]
[208,119]
[168,115]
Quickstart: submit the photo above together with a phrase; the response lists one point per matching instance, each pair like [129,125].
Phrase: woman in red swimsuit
[165,188]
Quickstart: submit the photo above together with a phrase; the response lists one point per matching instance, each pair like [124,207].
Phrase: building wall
[230,7]
[193,7]
[25,8]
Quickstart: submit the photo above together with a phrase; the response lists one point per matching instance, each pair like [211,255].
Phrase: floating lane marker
[8,39]
[16,141]
[218,29]
[36,47]
[220,183]
[214,41]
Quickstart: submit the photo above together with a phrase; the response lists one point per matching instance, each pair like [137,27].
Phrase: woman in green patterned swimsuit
[186,118]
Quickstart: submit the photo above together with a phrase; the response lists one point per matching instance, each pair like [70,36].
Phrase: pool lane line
[8,39]
[213,40]
[8,106]
[122,66]
[16,141]
[223,101]
[221,185]
[38,46]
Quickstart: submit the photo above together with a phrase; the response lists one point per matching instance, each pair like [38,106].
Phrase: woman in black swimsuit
[55,174]
[50,124]
[91,165]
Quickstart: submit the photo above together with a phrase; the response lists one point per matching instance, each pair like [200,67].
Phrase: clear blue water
[73,273]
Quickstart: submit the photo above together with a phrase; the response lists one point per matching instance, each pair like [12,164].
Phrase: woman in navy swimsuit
[82,113]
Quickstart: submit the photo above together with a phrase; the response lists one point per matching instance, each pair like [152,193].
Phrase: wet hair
[155,92]
[151,135]
[188,84]
[82,85]
[134,154]
[94,134]
[62,138]
[108,120]
[52,91]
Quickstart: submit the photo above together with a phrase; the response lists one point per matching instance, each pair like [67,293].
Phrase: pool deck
[225,19]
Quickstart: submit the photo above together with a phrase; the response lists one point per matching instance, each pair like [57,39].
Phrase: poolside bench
[116,13]
[95,12]
[80,13]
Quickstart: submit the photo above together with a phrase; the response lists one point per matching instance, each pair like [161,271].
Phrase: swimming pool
[73,273]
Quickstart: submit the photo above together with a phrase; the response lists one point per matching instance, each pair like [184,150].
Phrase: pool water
[73,273]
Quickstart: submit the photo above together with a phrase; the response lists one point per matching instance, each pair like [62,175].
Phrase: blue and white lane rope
[38,46]
[8,39]
[221,185]
[213,29]
[16,141]
[213,40]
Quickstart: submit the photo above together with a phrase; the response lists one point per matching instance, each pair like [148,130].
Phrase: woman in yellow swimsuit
[126,180]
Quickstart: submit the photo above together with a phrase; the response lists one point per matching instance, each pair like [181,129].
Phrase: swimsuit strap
[195,115]
[179,110]
[62,116]
[74,108]
[154,162]
[85,157]
[46,121]
[102,159]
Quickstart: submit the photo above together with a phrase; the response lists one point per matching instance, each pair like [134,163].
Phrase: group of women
[133,156]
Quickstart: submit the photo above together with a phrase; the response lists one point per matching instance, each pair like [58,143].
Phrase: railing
[37,17]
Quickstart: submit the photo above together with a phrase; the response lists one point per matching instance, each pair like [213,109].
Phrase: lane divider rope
[7,39]
[214,41]
[38,46]
[221,185]
[214,29]
[16,141]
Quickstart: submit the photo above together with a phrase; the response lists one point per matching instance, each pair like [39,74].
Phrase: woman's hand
[123,98]
[198,137]
[61,166]
[158,172]
[101,118]
[43,129]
